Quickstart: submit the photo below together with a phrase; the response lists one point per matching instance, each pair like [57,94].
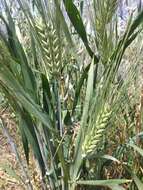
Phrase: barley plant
[76,93]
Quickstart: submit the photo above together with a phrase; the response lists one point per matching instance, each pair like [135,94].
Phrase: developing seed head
[94,137]
[51,47]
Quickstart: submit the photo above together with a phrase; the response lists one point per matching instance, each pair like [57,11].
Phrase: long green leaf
[136,23]
[109,182]
[77,22]
[24,140]
[76,19]
[63,23]
[28,127]
[78,146]
[19,54]
[23,97]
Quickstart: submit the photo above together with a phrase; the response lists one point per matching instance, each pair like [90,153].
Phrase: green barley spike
[51,48]
[93,138]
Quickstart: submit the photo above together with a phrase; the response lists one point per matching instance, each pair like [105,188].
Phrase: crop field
[71,95]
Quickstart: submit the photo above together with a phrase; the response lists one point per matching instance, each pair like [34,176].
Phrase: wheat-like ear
[111,6]
[93,138]
[51,48]
[104,12]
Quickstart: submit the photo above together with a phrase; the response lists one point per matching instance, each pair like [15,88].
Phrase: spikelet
[104,14]
[95,135]
[51,48]
[111,6]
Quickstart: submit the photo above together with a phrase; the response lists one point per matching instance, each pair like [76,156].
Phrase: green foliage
[68,102]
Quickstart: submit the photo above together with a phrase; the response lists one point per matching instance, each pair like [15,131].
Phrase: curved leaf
[107,183]
[77,22]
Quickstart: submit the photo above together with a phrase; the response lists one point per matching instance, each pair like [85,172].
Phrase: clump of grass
[35,95]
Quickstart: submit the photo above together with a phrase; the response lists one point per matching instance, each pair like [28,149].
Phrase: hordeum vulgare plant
[69,137]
